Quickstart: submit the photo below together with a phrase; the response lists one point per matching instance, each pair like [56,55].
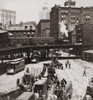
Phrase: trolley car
[15,65]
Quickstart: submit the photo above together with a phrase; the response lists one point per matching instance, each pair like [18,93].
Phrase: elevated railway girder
[27,49]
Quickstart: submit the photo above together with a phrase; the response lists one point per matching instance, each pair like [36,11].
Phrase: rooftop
[2,30]
[88,51]
[40,82]
[25,96]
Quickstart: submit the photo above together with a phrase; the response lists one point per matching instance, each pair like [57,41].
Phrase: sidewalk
[75,75]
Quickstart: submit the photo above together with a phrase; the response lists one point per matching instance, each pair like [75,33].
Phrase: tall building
[84,34]
[7,17]
[71,16]
[43,28]
[44,13]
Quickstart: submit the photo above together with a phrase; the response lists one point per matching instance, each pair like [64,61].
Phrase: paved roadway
[75,74]
[8,82]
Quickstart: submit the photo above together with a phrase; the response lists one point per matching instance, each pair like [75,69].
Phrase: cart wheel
[70,96]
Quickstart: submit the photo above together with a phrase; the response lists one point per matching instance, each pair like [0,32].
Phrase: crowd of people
[60,89]
[55,63]
[60,86]
[52,77]
[26,82]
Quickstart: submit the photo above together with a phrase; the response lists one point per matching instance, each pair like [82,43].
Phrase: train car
[41,40]
[22,41]
[41,87]
[19,41]
[27,96]
[15,65]
[59,40]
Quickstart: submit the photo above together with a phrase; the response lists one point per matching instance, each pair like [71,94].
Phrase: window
[62,13]
[31,27]
[77,13]
[62,18]
[25,27]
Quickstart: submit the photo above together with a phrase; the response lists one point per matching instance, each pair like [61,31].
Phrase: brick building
[87,55]
[84,34]
[22,26]
[43,28]
[3,38]
[71,16]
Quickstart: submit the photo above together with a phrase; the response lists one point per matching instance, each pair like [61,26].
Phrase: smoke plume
[63,29]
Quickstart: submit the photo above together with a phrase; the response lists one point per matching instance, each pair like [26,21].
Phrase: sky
[28,10]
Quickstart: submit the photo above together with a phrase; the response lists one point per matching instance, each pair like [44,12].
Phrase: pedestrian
[69,65]
[58,82]
[56,61]
[66,64]
[55,97]
[87,97]
[52,62]
[18,81]
[84,72]
[92,80]
[62,66]
[37,95]
[8,97]
[63,83]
